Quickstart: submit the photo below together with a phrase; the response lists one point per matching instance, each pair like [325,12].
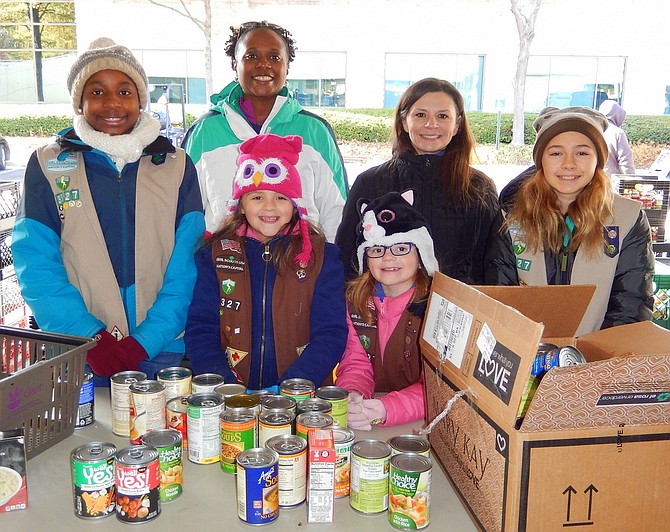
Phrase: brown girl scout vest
[291,304]
[599,271]
[401,364]
[83,246]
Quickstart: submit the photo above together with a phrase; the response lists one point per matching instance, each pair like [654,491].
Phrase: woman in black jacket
[432,149]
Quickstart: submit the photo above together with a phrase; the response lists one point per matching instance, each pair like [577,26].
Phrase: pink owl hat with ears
[267,162]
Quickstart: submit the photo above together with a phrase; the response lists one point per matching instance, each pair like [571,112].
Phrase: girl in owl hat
[110,215]
[269,299]
[386,304]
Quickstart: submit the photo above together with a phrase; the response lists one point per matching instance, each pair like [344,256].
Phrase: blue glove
[274,389]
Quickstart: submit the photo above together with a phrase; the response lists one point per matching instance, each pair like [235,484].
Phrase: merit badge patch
[523,264]
[365,341]
[231,245]
[228,286]
[235,356]
[63,182]
[612,241]
[519,246]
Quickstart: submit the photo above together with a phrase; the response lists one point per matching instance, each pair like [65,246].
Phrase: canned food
[314,404]
[409,491]
[270,402]
[252,402]
[92,467]
[369,487]
[409,443]
[119,384]
[176,414]
[137,475]
[274,422]
[299,389]
[257,486]
[204,439]
[177,381]
[338,398]
[238,433]
[168,444]
[344,439]
[205,382]
[85,412]
[311,421]
[230,389]
[292,451]
[147,408]
[561,357]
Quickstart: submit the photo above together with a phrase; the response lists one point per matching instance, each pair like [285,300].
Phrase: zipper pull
[267,256]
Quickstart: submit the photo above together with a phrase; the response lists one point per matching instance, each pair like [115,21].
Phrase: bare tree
[205,26]
[525,14]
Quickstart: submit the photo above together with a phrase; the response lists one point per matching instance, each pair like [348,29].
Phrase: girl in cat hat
[385,310]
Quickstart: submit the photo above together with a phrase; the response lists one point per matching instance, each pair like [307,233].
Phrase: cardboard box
[321,464]
[592,451]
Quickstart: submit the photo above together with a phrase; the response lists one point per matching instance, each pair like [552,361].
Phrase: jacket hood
[613,111]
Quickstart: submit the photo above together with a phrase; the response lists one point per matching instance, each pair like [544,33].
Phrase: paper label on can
[138,492]
[171,475]
[258,494]
[409,499]
[94,489]
[369,488]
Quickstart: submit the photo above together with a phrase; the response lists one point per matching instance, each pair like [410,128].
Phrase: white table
[209,498]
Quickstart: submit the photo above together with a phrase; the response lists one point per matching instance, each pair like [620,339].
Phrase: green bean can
[409,491]
[338,398]
[369,483]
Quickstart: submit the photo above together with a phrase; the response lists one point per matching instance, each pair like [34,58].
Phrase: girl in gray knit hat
[111,212]
[569,227]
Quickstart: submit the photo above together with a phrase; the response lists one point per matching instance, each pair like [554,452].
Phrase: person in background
[386,304]
[108,223]
[620,158]
[269,299]
[569,227]
[432,149]
[258,102]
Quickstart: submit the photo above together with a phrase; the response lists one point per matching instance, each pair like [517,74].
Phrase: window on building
[317,79]
[565,81]
[465,71]
[179,67]
[37,41]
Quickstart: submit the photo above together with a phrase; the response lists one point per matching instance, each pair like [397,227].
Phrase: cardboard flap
[481,345]
[559,308]
[643,338]
[623,391]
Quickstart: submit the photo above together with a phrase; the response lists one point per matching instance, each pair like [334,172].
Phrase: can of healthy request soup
[292,451]
[177,381]
[409,491]
[258,486]
[168,444]
[92,467]
[344,439]
[369,486]
[238,433]
[204,438]
[137,476]
[120,399]
[338,398]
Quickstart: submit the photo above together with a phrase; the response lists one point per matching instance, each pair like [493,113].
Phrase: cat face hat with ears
[392,219]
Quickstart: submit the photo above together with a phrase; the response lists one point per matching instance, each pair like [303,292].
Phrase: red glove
[131,353]
[104,358]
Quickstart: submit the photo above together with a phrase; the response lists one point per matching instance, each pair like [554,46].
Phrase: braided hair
[236,33]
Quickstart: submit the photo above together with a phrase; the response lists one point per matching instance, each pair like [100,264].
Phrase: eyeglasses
[400,249]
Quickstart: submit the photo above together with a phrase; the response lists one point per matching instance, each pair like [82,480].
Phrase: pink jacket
[355,371]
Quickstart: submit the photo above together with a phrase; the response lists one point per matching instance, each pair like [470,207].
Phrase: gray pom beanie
[105,54]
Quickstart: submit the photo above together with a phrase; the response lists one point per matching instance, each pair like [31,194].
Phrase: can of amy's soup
[338,398]
[119,385]
[168,444]
[147,408]
[85,411]
[292,451]
[238,433]
[204,440]
[258,486]
[369,486]
[344,439]
[177,381]
[92,466]
[299,389]
[137,475]
[409,491]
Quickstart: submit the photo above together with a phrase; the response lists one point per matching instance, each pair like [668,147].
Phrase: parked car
[4,152]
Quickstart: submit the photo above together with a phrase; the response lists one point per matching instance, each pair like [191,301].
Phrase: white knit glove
[363,413]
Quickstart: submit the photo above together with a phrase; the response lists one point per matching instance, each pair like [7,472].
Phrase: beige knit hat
[584,120]
[105,54]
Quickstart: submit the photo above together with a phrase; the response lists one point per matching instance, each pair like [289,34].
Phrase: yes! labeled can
[137,476]
[92,466]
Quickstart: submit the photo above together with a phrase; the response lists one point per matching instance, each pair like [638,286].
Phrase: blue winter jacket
[55,302]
